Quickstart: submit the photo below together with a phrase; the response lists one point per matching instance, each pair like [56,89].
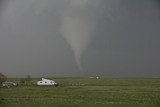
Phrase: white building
[46,82]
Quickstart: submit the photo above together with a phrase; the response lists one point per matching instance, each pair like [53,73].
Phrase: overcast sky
[80,38]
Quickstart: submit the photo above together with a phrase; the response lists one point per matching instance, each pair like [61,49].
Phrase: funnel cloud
[77,27]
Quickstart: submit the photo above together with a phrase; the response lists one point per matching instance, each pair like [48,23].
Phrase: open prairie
[84,92]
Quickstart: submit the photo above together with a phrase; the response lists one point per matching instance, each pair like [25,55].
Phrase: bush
[22,81]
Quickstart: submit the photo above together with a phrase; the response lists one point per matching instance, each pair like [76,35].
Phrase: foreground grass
[84,92]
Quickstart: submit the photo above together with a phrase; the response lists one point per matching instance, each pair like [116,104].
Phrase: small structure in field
[45,82]
[97,77]
[9,84]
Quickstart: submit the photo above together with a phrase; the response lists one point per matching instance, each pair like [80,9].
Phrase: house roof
[43,79]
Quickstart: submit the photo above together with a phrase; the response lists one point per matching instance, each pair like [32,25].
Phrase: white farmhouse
[46,82]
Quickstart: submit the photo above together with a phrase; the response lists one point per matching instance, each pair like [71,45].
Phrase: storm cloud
[80,37]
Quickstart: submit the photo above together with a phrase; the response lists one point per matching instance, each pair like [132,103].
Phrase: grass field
[84,92]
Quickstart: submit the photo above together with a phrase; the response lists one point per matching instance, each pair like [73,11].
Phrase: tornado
[77,27]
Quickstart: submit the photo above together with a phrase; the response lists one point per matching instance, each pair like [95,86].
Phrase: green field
[84,92]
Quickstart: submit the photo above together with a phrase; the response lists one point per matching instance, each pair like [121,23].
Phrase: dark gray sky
[80,38]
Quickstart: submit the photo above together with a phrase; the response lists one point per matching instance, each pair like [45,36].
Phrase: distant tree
[28,78]
[3,78]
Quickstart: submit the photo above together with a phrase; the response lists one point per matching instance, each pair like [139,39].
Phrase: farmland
[84,92]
